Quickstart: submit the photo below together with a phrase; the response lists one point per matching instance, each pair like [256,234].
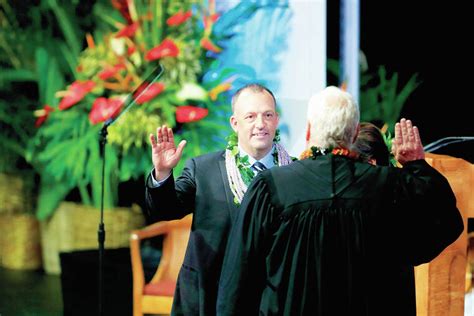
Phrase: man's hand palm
[165,156]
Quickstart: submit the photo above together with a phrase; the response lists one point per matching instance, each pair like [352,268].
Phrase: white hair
[333,116]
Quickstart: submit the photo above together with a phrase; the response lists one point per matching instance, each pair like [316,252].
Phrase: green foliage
[65,149]
[34,62]
[384,101]
[381,96]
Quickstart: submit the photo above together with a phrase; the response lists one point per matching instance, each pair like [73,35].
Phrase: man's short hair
[254,87]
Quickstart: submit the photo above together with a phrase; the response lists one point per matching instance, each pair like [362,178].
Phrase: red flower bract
[152,91]
[122,6]
[76,92]
[104,109]
[109,71]
[189,113]
[128,31]
[43,115]
[178,18]
[167,48]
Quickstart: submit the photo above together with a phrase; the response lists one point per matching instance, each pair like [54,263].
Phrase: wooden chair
[156,297]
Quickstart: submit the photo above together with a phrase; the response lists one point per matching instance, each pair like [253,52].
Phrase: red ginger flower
[109,71]
[76,92]
[167,48]
[104,109]
[122,6]
[128,31]
[131,49]
[152,91]
[178,18]
[43,115]
[189,113]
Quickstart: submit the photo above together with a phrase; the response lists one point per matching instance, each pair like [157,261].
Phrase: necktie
[258,166]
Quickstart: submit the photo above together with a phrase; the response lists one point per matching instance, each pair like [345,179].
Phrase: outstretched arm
[165,154]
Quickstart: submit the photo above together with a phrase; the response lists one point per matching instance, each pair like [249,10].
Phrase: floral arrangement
[139,36]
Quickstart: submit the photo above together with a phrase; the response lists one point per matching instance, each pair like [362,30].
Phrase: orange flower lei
[313,152]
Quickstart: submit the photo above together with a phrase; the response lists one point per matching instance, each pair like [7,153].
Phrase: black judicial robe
[332,236]
[202,189]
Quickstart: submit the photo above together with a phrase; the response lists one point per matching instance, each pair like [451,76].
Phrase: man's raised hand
[165,154]
[407,144]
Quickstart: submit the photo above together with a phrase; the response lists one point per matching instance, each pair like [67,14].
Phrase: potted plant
[39,41]
[135,37]
[19,241]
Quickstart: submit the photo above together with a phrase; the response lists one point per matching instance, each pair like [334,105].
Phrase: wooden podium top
[460,175]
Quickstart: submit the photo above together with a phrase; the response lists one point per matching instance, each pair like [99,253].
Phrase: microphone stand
[128,103]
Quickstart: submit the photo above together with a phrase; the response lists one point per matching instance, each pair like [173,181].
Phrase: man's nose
[260,122]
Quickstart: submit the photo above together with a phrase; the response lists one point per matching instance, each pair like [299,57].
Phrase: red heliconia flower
[153,90]
[122,6]
[167,48]
[76,92]
[209,45]
[109,71]
[104,109]
[179,18]
[128,31]
[131,49]
[43,115]
[189,113]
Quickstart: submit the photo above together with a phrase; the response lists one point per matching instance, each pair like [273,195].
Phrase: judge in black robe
[331,235]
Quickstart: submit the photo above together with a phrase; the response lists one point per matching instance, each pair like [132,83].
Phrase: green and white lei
[238,168]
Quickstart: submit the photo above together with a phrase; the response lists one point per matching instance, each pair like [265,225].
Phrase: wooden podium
[441,283]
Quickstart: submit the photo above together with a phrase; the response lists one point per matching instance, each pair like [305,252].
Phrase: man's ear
[233,123]
[308,132]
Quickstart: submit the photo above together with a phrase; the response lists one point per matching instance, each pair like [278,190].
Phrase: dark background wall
[428,38]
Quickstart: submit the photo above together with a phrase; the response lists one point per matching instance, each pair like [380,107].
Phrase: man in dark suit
[332,234]
[211,187]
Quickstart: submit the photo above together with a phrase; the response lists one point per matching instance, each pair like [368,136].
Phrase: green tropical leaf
[50,195]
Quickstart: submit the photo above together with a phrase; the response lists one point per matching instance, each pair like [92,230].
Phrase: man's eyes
[251,117]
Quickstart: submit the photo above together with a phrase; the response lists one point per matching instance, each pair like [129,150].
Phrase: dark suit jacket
[202,189]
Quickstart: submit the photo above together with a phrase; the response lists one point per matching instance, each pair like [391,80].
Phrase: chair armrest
[160,228]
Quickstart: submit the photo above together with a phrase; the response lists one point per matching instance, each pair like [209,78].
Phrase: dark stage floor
[28,293]
[35,293]
[75,291]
